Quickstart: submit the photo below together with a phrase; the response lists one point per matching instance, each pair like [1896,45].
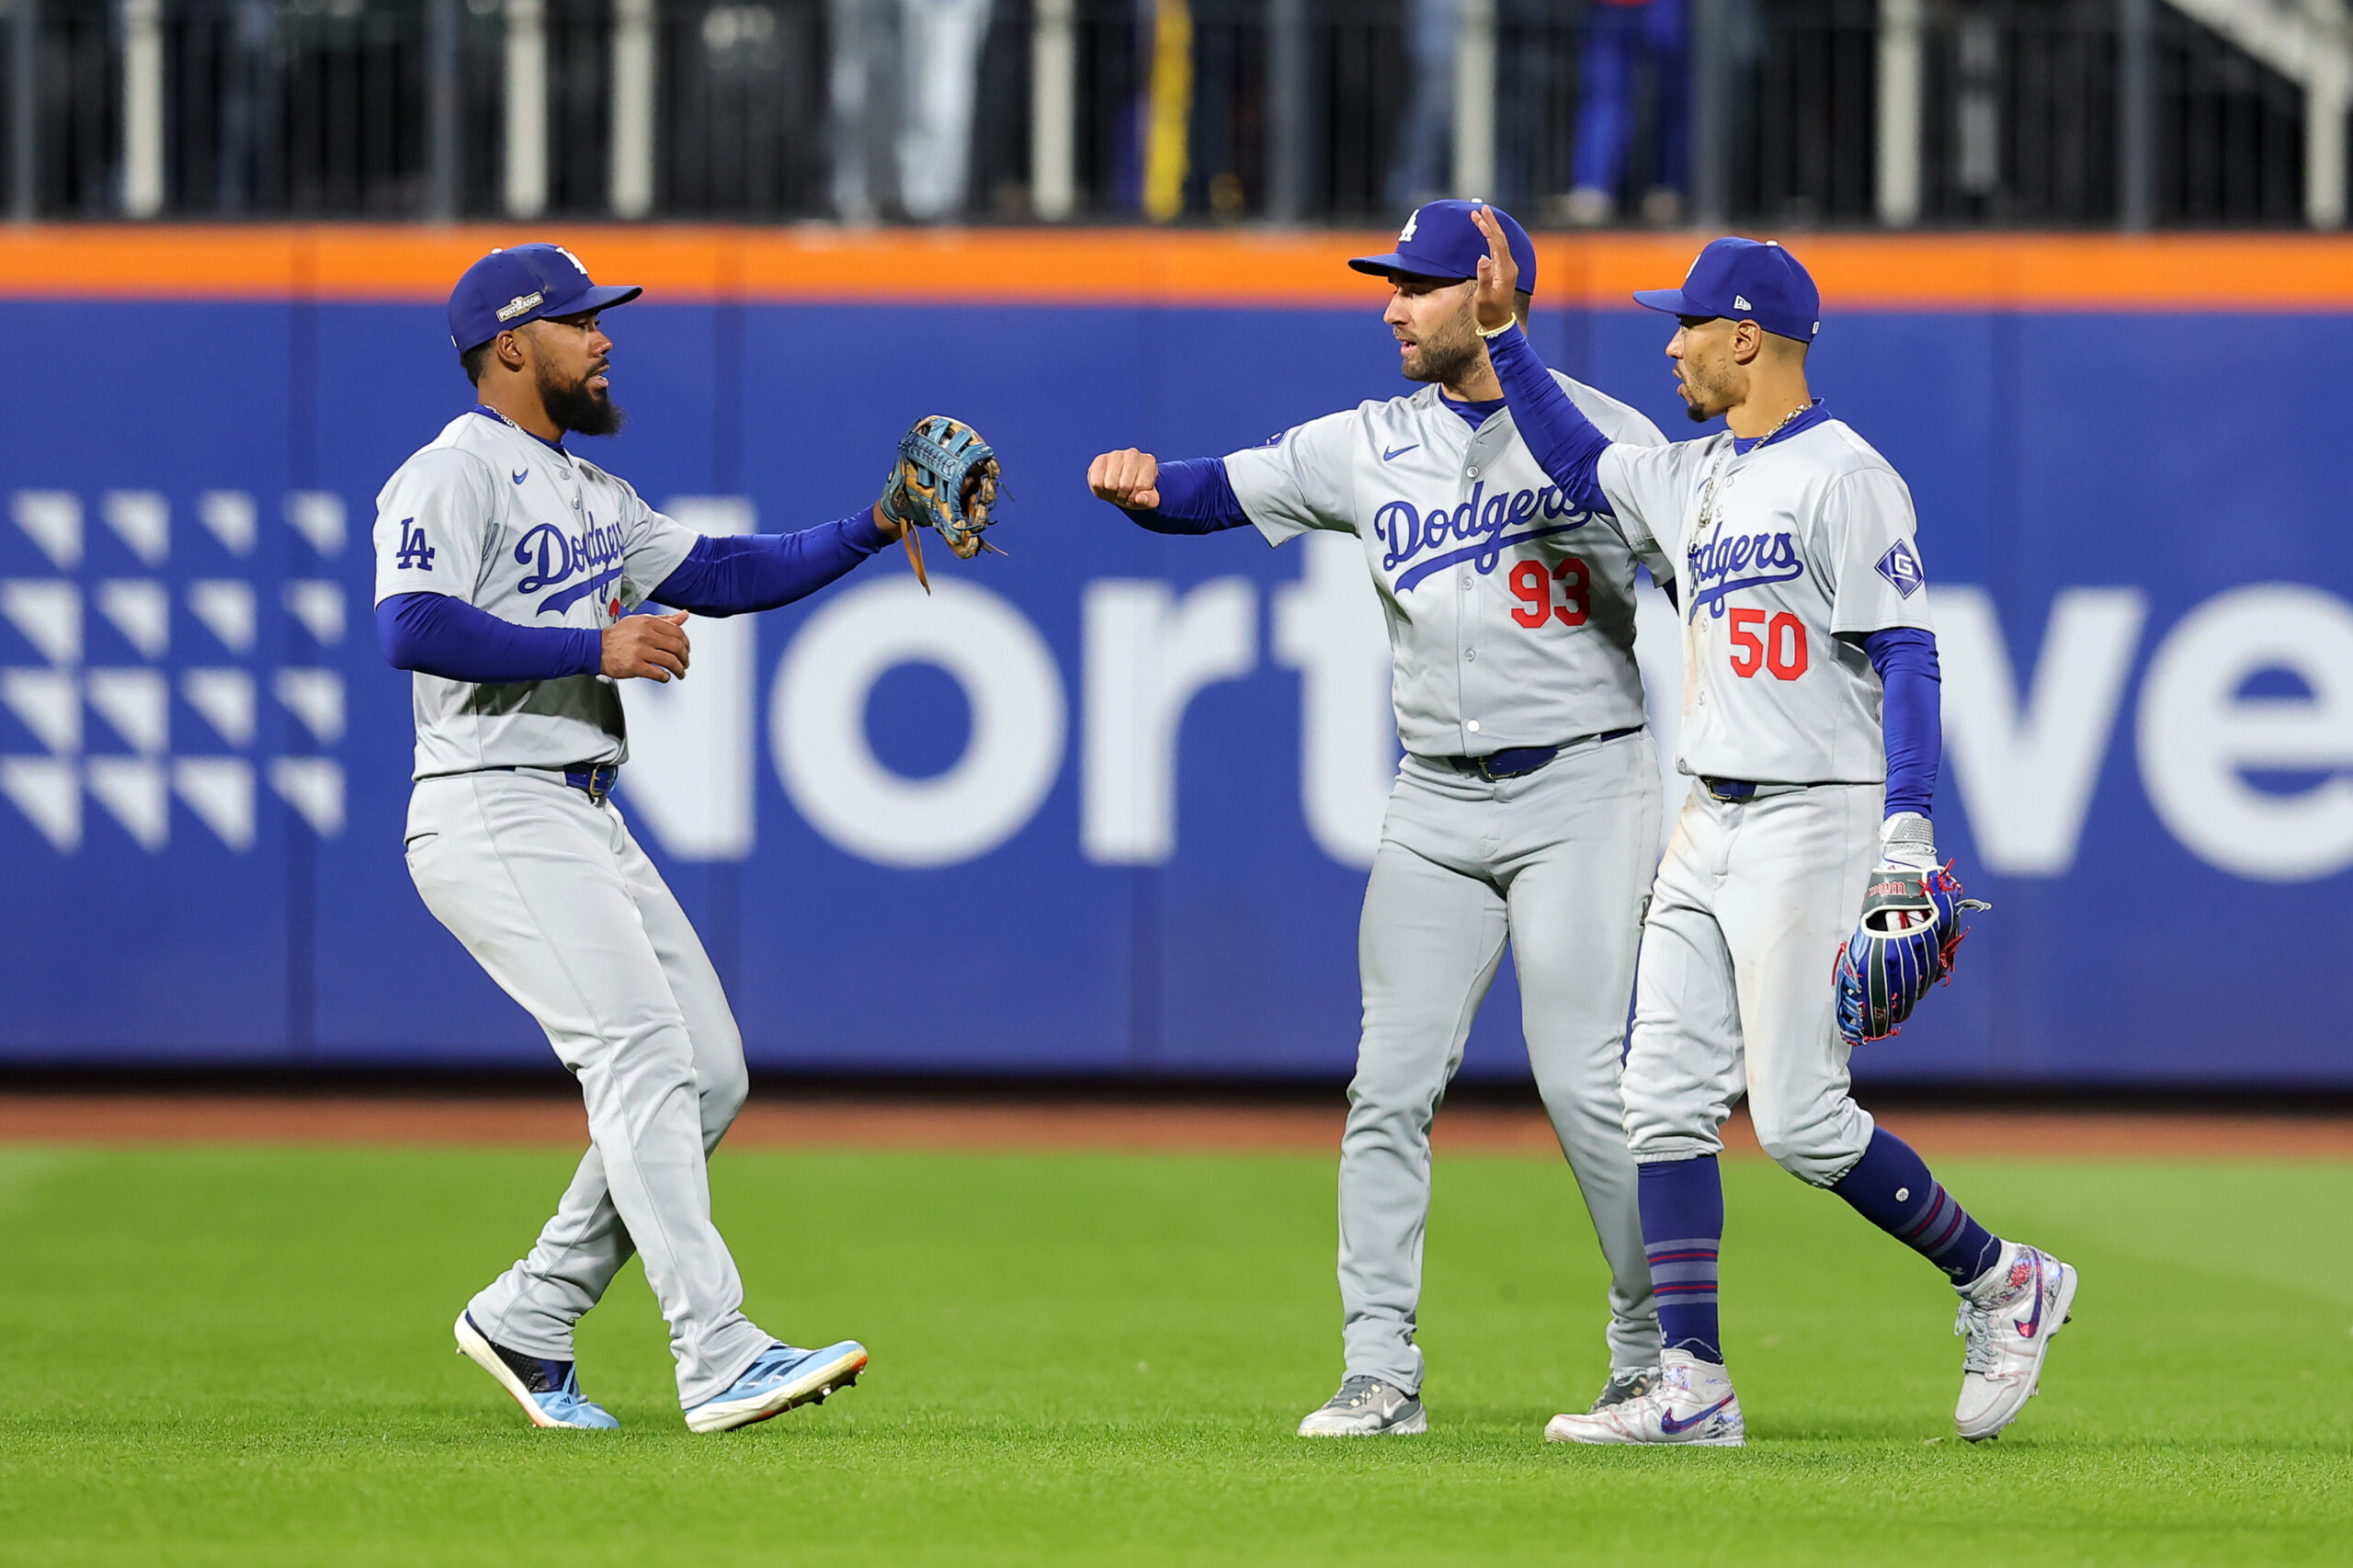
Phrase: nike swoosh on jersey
[1400,452]
[1667,1423]
[521,477]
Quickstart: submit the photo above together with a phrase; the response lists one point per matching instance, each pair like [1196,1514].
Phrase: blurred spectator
[901,87]
[865,47]
[1166,110]
[941,39]
[1423,169]
[1622,38]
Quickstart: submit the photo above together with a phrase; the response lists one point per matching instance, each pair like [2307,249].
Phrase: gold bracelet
[1498,332]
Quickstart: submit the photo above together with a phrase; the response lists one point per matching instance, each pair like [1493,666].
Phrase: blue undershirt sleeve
[1911,714]
[726,574]
[1565,444]
[1196,497]
[437,635]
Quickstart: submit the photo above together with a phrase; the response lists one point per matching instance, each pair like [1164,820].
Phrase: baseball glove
[945,478]
[1903,944]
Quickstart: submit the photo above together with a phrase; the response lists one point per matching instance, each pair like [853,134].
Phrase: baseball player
[1526,805]
[506,569]
[1811,730]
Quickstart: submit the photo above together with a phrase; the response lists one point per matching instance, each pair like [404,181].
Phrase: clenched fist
[1127,478]
[654,647]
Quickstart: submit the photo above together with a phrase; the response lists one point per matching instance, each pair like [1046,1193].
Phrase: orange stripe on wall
[1171,266]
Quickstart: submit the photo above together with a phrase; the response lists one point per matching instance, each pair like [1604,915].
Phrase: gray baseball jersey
[1511,617]
[1511,623]
[1783,554]
[490,513]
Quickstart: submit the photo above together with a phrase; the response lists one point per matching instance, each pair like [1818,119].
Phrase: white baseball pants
[1557,862]
[1735,993]
[553,896]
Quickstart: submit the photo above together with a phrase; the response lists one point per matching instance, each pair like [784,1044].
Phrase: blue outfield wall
[1124,830]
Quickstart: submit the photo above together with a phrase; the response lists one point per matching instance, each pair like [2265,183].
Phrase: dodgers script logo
[1729,562]
[553,558]
[1478,524]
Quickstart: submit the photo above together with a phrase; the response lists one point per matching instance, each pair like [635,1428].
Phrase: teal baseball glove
[945,479]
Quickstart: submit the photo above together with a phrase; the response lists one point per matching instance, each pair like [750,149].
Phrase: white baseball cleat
[1692,1403]
[2008,1315]
[1367,1407]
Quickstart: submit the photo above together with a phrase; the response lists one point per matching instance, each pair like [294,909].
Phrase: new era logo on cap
[1749,279]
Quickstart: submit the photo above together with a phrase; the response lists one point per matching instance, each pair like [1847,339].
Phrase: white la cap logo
[573,259]
[1406,232]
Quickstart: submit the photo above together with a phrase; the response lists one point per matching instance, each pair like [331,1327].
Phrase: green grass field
[242,1356]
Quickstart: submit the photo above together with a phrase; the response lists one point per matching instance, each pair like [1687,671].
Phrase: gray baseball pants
[1735,998]
[552,895]
[1557,862]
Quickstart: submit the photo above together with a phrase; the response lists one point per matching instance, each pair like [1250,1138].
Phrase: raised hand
[653,646]
[1498,281]
[1126,478]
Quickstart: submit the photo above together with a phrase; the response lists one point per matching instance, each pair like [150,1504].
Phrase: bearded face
[579,401]
[1437,339]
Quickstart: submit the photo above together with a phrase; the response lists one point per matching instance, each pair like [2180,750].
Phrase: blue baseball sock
[1891,1187]
[1683,1228]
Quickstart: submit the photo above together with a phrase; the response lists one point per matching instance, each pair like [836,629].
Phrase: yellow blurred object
[1169,112]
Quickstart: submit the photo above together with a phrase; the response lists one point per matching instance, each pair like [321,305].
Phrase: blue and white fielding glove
[1904,941]
[944,478]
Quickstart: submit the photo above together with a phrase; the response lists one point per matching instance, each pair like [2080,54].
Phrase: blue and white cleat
[1691,1403]
[548,1391]
[781,1378]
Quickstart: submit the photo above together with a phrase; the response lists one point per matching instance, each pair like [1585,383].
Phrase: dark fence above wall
[2081,113]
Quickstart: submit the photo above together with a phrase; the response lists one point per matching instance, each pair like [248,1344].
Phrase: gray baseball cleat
[1625,1383]
[1367,1407]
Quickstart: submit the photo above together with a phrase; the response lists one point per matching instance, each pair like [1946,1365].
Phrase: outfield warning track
[1117,1126]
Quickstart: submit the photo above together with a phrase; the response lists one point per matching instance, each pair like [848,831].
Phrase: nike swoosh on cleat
[2033,1325]
[525,474]
[1667,1423]
[1401,451]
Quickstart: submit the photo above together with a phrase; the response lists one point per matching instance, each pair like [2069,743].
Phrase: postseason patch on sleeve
[1902,567]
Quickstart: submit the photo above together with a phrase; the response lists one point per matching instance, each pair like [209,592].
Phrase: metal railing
[1948,113]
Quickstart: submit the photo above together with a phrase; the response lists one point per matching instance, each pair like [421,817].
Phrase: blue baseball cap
[1441,240]
[507,288]
[1745,281]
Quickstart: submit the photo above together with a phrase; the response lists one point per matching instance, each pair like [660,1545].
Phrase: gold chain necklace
[1709,491]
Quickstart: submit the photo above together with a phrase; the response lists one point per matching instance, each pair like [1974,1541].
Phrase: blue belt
[597,781]
[1519,761]
[1748,788]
